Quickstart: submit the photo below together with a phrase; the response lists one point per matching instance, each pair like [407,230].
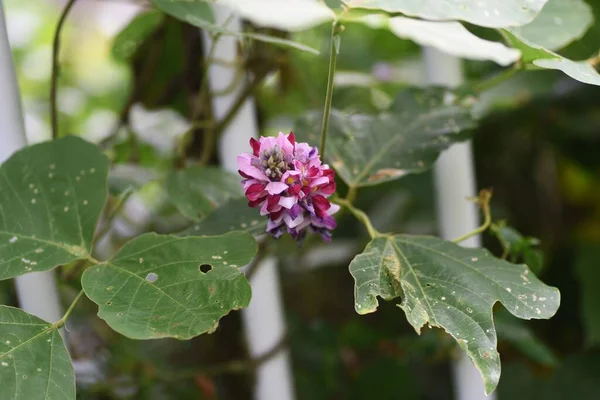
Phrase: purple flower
[287,181]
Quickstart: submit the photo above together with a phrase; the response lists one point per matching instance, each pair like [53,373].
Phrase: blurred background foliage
[537,146]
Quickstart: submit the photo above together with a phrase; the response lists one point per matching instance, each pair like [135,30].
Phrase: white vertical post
[454,181]
[36,291]
[263,320]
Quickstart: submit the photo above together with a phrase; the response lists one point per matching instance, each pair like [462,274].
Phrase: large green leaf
[199,13]
[490,13]
[166,286]
[233,216]
[34,363]
[51,195]
[451,37]
[371,149]
[196,191]
[451,287]
[133,35]
[289,15]
[559,23]
[543,58]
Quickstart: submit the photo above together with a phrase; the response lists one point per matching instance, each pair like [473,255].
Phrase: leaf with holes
[34,363]
[490,13]
[196,191]
[133,35]
[371,149]
[167,286]
[233,216]
[199,13]
[451,287]
[536,55]
[559,23]
[51,195]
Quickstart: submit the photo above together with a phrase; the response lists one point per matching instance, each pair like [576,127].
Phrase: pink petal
[244,163]
[292,223]
[285,144]
[319,181]
[333,209]
[267,142]
[288,202]
[276,187]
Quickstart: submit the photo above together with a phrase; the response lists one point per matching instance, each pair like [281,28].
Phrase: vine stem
[484,202]
[498,79]
[55,67]
[333,52]
[361,216]
[229,367]
[63,320]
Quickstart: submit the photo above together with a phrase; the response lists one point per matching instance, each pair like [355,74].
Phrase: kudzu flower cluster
[290,185]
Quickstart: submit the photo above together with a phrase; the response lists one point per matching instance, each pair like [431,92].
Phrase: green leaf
[191,11]
[452,38]
[520,336]
[449,37]
[233,216]
[166,286]
[540,57]
[451,287]
[133,35]
[199,13]
[34,363]
[559,23]
[371,149]
[588,275]
[491,13]
[51,195]
[289,15]
[198,190]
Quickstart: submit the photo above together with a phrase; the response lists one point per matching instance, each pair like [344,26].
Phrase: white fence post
[264,321]
[37,291]
[454,181]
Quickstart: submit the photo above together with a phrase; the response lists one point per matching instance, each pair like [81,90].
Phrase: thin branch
[484,202]
[336,28]
[55,68]
[498,79]
[244,94]
[229,367]
[360,215]
[63,320]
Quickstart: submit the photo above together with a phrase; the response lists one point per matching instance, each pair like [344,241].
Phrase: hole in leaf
[109,303]
[205,268]
[152,277]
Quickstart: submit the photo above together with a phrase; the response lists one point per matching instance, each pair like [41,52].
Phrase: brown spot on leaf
[387,173]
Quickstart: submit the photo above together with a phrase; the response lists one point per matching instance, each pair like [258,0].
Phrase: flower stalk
[336,29]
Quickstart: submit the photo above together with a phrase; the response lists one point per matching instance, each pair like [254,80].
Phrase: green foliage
[165,286]
[447,286]
[133,35]
[198,190]
[518,247]
[199,13]
[559,23]
[493,13]
[235,215]
[34,363]
[50,199]
[582,71]
[371,149]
